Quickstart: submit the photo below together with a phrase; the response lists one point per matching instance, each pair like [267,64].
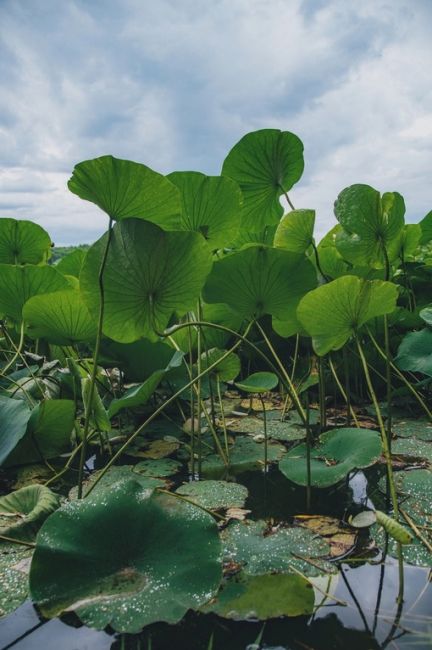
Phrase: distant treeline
[58,252]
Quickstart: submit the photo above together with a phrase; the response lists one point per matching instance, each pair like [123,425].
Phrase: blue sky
[176,83]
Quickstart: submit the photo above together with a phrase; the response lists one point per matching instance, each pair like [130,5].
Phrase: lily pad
[276,430]
[23,512]
[244,597]
[117,474]
[413,447]
[14,565]
[215,495]
[259,550]
[14,415]
[23,242]
[420,429]
[126,557]
[157,468]
[154,449]
[244,455]
[337,453]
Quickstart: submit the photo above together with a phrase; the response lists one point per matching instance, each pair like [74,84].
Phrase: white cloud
[175,84]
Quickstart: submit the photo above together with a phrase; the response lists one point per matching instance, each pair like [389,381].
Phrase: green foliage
[14,416]
[23,512]
[23,242]
[259,382]
[295,231]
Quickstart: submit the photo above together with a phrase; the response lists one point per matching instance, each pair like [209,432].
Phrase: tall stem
[321,388]
[265,434]
[345,395]
[388,381]
[88,410]
[17,352]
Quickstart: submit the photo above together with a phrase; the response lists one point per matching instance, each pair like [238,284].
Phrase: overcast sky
[176,83]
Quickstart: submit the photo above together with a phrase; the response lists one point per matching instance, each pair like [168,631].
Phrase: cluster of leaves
[196,278]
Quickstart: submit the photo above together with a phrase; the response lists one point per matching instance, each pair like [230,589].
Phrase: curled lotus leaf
[215,495]
[23,242]
[23,512]
[337,453]
[126,557]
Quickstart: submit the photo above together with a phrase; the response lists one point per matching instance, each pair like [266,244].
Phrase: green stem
[265,435]
[350,411]
[95,361]
[192,400]
[388,381]
[318,264]
[308,457]
[322,396]
[222,416]
[198,389]
[17,352]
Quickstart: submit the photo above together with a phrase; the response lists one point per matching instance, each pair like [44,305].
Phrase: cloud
[175,84]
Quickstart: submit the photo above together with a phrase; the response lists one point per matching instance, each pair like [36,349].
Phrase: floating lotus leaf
[215,495]
[48,433]
[157,468]
[295,231]
[265,164]
[244,597]
[71,263]
[260,280]
[371,223]
[124,189]
[420,429]
[117,474]
[23,242]
[23,512]
[277,430]
[258,382]
[243,456]
[333,312]
[126,557]
[14,562]
[19,283]
[211,205]
[154,449]
[259,550]
[14,415]
[61,318]
[139,395]
[415,352]
[337,453]
[415,483]
[149,275]
[413,447]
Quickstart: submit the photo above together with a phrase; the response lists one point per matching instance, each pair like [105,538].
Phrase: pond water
[360,612]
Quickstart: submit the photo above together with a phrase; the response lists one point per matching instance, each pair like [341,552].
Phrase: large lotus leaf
[217,313]
[259,550]
[14,561]
[227,369]
[14,416]
[19,283]
[426,228]
[333,312]
[265,164]
[295,231]
[246,454]
[117,474]
[337,453]
[406,243]
[124,189]
[61,318]
[23,242]
[126,557]
[211,205]
[258,382]
[139,395]
[413,447]
[419,429]
[215,495]
[277,430]
[371,222]
[415,352]
[426,315]
[260,280]
[138,360]
[264,236]
[23,512]
[416,484]
[72,262]
[149,274]
[244,597]
[48,433]
[331,261]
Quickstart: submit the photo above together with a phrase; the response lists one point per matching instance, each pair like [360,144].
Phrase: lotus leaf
[337,453]
[48,433]
[265,164]
[426,228]
[124,189]
[23,242]
[420,429]
[244,455]
[415,352]
[295,231]
[277,430]
[19,283]
[211,205]
[14,415]
[371,223]
[259,550]
[138,360]
[426,315]
[407,242]
[117,474]
[215,495]
[126,557]
[72,262]
[260,280]
[14,560]
[244,597]
[157,468]
[227,369]
[258,382]
[334,312]
[413,447]
[98,415]
[149,274]
[60,317]
[23,512]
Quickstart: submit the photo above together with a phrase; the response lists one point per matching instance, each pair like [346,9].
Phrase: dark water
[367,619]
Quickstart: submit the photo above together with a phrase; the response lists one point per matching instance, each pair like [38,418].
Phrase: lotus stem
[321,390]
[5,538]
[198,388]
[17,351]
[265,434]
[308,457]
[221,406]
[192,503]
[350,410]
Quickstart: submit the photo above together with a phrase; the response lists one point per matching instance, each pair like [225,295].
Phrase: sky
[174,84]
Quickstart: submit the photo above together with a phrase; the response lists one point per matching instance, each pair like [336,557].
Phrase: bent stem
[387,456]
[17,351]
[89,405]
